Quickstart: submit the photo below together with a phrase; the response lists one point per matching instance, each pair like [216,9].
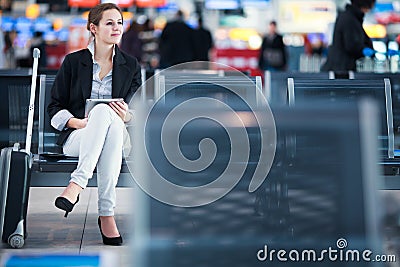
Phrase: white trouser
[99,145]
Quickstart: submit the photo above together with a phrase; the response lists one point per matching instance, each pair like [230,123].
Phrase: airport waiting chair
[275,83]
[191,74]
[331,191]
[15,93]
[338,91]
[185,74]
[395,86]
[220,88]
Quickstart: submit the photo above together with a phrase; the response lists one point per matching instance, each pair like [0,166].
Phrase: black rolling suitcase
[15,174]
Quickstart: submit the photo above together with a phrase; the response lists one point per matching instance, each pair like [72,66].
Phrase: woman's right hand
[76,123]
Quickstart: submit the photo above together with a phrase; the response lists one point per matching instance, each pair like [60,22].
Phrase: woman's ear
[92,28]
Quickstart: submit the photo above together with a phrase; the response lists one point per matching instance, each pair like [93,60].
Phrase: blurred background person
[2,54]
[273,54]
[149,38]
[350,41]
[9,52]
[39,42]
[176,42]
[203,42]
[315,44]
[131,43]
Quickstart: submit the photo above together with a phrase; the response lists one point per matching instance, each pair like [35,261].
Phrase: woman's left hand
[121,108]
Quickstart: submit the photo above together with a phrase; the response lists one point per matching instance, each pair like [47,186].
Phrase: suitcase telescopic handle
[36,55]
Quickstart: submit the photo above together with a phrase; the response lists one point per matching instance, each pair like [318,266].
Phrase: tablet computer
[91,102]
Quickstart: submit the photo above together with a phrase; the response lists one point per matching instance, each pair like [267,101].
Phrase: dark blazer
[73,83]
[176,44]
[273,44]
[203,43]
[349,40]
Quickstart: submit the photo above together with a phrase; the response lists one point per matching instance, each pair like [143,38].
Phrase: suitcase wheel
[16,241]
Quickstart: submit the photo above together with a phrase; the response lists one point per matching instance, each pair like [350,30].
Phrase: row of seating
[275,85]
[337,91]
[47,160]
[320,187]
[281,88]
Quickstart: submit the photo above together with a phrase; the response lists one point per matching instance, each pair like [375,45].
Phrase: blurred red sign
[55,55]
[124,3]
[387,18]
[83,3]
[150,3]
[78,37]
[240,59]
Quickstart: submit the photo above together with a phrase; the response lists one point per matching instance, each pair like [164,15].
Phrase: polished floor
[50,233]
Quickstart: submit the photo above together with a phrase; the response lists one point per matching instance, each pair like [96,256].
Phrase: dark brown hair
[363,3]
[96,13]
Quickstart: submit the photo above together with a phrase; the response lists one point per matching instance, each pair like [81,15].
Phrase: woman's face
[110,27]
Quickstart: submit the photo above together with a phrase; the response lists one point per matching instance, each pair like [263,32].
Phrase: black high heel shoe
[111,241]
[65,205]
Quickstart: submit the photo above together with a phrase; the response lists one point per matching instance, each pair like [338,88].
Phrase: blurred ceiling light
[57,24]
[375,30]
[255,42]
[32,11]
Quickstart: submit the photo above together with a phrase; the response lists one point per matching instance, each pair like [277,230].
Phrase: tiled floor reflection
[49,232]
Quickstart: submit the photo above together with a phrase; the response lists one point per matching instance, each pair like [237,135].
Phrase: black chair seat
[62,164]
